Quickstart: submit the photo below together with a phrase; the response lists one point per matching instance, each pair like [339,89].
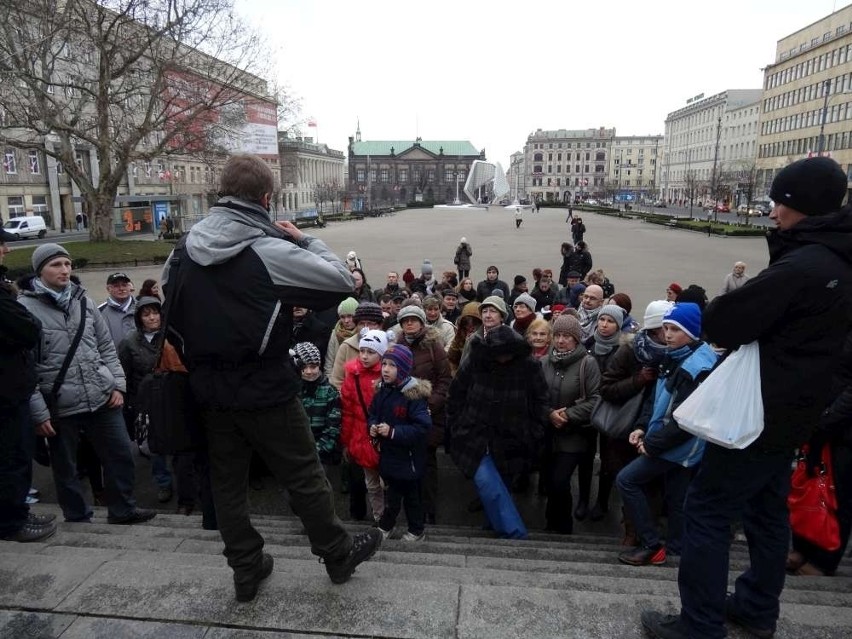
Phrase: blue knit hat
[401,355]
[687,317]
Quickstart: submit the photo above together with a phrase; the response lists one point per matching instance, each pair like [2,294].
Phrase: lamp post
[826,88]
[457,201]
[715,160]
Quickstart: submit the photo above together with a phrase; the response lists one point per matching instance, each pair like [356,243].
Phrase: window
[148,169]
[384,175]
[448,175]
[16,206]
[403,175]
[538,157]
[10,164]
[372,175]
[39,204]
[430,175]
[35,164]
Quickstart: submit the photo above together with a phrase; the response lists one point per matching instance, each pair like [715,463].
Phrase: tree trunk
[101,225]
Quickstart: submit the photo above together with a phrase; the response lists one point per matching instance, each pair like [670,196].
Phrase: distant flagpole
[312,123]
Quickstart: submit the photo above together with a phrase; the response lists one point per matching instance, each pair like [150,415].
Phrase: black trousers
[560,504]
[403,494]
[17,443]
[282,436]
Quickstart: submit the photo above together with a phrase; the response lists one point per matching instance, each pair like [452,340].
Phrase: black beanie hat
[813,186]
[519,279]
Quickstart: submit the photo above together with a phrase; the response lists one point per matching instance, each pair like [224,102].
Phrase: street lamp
[826,87]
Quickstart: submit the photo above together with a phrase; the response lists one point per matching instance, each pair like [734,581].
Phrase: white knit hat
[375,340]
[655,312]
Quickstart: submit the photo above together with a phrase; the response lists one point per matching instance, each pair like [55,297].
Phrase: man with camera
[229,301]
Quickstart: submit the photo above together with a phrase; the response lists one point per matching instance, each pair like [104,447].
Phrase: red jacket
[355,433]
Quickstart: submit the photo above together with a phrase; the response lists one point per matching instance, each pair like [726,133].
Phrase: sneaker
[31,532]
[364,546]
[164,494]
[644,556]
[246,591]
[735,618]
[385,533]
[40,520]
[410,536]
[662,626]
[138,516]
[34,492]
[29,500]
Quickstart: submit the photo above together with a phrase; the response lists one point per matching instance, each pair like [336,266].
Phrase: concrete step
[167,578]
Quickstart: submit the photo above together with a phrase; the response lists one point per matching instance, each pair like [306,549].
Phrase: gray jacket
[120,323]
[94,371]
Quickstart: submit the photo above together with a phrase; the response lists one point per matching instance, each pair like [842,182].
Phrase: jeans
[282,436]
[17,443]
[731,485]
[560,505]
[632,482]
[403,493]
[160,471]
[106,431]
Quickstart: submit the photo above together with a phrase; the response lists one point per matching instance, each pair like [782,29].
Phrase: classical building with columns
[311,173]
[391,172]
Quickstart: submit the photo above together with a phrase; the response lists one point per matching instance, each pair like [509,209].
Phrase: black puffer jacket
[137,355]
[799,310]
[19,335]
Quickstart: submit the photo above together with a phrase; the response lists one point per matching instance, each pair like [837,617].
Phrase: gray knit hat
[46,252]
[411,311]
[527,300]
[495,301]
[615,312]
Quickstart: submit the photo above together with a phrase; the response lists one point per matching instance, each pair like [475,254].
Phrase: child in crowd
[664,449]
[321,402]
[356,393]
[399,423]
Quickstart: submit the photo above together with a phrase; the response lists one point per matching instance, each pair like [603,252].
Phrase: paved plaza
[641,259]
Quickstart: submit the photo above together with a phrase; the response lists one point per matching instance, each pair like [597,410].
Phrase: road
[700,214]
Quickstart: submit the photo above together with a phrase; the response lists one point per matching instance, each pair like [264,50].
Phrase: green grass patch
[97,254]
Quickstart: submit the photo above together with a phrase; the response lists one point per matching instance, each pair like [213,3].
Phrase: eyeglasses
[589,297]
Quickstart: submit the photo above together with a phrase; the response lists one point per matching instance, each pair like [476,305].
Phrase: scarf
[119,305]
[648,352]
[521,325]
[587,317]
[61,298]
[557,356]
[604,345]
[413,340]
[343,334]
[463,296]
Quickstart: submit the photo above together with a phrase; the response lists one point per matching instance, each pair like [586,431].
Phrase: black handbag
[165,396]
[617,421]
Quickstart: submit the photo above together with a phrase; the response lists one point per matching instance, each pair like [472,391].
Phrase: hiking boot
[164,494]
[138,516]
[662,626]
[410,536]
[644,556]
[31,532]
[40,520]
[733,615]
[364,546]
[247,590]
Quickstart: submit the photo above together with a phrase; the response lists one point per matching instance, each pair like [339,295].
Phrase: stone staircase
[168,579]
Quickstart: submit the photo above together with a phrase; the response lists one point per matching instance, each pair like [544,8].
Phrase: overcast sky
[492,71]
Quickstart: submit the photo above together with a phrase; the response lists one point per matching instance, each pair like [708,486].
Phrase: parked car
[721,208]
[27,226]
[760,208]
[660,204]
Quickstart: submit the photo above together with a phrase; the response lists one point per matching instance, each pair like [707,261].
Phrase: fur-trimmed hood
[414,388]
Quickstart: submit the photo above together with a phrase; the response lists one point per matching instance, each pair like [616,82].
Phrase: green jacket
[322,404]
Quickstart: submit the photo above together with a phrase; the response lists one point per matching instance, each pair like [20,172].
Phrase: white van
[29,226]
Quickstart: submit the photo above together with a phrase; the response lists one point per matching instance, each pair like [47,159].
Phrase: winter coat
[454,353]
[564,388]
[138,357]
[321,402]
[19,336]
[446,330]
[346,352]
[797,309]
[732,282]
[432,365]
[403,452]
[312,329]
[355,432]
[497,407]
[240,276]
[678,379]
[486,289]
[544,298]
[462,258]
[120,323]
[390,290]
[337,337]
[366,294]
[95,371]
[621,381]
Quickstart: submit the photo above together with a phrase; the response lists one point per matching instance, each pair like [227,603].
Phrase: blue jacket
[681,373]
[402,453]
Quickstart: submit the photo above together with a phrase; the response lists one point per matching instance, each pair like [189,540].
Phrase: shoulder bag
[813,502]
[617,420]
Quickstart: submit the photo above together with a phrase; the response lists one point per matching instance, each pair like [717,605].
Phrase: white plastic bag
[727,408]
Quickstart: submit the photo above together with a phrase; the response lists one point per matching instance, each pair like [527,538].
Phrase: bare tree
[126,80]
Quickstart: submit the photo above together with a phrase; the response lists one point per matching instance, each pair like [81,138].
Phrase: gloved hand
[645,376]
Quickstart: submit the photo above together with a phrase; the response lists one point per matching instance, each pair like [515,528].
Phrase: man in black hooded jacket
[798,311]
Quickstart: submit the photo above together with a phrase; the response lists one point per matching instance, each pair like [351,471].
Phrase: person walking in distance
[229,298]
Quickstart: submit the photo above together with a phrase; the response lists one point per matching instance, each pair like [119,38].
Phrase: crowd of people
[317,368]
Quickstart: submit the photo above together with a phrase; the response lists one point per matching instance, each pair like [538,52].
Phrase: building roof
[383,147]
